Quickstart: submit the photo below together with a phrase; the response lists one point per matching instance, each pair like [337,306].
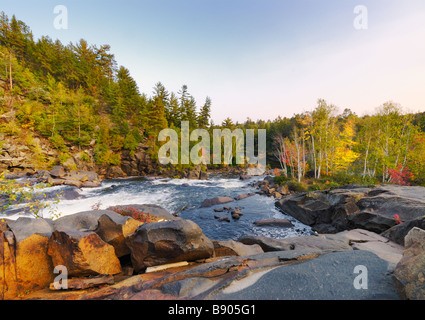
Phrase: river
[174,194]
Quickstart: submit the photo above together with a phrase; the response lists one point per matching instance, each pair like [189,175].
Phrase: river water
[174,194]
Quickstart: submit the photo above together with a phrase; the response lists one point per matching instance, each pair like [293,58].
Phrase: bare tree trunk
[10,72]
[366,156]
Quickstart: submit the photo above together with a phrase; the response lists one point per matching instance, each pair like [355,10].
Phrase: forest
[77,94]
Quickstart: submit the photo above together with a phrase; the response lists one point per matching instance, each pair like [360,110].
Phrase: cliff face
[27,152]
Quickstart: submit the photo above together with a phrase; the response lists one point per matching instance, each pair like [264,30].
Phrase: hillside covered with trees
[77,98]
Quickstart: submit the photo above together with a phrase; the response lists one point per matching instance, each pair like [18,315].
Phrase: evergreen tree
[156,116]
[187,108]
[173,111]
[205,114]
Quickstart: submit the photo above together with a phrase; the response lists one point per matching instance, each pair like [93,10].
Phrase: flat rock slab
[360,239]
[327,277]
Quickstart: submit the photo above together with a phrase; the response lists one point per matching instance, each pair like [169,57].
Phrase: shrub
[15,194]
[295,186]
[58,142]
[281,179]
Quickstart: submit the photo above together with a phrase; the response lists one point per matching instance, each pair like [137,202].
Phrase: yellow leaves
[25,196]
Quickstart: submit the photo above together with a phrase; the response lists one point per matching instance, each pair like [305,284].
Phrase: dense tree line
[77,93]
[387,146]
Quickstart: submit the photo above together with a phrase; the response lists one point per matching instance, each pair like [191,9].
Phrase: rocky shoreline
[144,252]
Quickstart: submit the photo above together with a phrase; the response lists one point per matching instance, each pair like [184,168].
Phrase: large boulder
[114,230]
[409,275]
[83,253]
[167,242]
[398,232]
[24,263]
[109,225]
[308,208]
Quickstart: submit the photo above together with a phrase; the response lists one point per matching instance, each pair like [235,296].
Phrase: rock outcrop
[374,209]
[409,275]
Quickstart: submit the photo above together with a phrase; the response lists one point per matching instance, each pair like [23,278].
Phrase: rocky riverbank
[144,252]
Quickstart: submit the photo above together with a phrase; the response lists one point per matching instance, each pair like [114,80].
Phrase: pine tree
[187,107]
[205,114]
[173,111]
[155,116]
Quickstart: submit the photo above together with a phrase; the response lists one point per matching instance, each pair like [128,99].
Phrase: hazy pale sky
[254,58]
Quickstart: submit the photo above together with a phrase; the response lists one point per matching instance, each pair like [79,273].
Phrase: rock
[74,183]
[114,231]
[57,172]
[90,184]
[167,242]
[68,194]
[234,248]
[245,177]
[243,196]
[55,182]
[203,175]
[83,253]
[216,201]
[267,244]
[353,207]
[84,221]
[360,239]
[309,209]
[236,214]
[387,200]
[115,172]
[226,219]
[322,242]
[328,277]
[218,209]
[398,232]
[151,209]
[69,164]
[276,195]
[187,288]
[285,223]
[86,283]
[409,274]
[26,262]
[42,175]
[325,242]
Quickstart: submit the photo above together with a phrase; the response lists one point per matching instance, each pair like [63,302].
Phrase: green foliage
[296,186]
[281,179]
[26,197]
[58,142]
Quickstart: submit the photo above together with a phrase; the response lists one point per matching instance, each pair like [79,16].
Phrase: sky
[256,59]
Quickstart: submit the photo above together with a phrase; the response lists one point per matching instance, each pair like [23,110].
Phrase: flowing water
[174,194]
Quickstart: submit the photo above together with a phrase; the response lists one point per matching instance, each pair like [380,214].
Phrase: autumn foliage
[400,176]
